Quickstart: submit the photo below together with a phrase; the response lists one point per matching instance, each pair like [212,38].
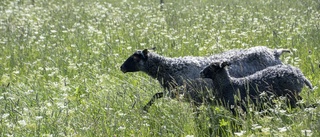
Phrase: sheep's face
[135,62]
[213,69]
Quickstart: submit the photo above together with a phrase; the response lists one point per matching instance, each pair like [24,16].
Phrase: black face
[210,71]
[132,64]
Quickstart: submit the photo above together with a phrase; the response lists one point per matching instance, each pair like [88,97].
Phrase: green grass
[59,64]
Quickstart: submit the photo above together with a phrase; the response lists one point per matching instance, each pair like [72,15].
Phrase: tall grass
[59,64]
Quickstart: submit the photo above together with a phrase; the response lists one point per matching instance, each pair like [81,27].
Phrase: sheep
[173,72]
[278,80]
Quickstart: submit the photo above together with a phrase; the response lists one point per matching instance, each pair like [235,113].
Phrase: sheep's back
[279,78]
[186,68]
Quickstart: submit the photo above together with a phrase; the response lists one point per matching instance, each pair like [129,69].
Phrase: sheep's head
[213,69]
[135,61]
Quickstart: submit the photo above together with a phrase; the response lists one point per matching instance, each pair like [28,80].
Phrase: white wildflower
[61,105]
[265,130]
[53,31]
[283,129]
[240,133]
[5,115]
[146,125]
[306,133]
[121,114]
[22,122]
[122,128]
[38,117]
[143,44]
[256,126]
[107,108]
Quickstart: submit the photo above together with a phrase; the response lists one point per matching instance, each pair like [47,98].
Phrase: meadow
[60,64]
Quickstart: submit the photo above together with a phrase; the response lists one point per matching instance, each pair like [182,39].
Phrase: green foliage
[59,64]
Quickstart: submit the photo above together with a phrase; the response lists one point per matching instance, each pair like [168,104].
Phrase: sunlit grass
[59,64]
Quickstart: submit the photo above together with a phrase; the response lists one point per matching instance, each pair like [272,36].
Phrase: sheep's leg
[153,99]
[303,105]
[293,98]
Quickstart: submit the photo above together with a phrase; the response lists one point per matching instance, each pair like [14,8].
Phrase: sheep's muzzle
[122,68]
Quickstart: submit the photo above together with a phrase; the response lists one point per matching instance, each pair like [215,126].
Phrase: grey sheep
[173,72]
[278,80]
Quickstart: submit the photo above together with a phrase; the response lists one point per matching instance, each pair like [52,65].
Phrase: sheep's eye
[136,59]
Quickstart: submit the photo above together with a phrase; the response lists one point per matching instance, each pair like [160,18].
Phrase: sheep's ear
[145,53]
[223,64]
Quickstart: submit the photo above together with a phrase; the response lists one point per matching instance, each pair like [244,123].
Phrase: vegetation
[60,60]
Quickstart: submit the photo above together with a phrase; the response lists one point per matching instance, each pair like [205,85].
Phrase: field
[60,64]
